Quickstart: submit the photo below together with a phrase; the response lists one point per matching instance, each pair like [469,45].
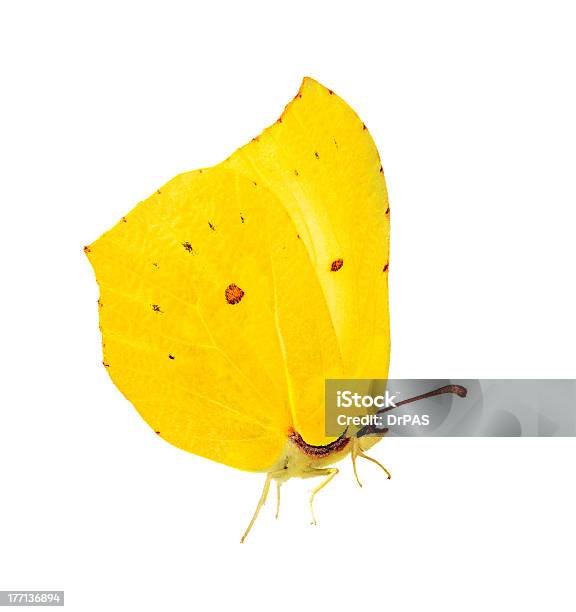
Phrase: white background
[472,108]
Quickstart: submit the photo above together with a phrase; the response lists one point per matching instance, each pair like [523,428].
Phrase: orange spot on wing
[233,294]
[336,265]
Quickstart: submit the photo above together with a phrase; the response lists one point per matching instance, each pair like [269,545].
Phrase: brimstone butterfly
[232,293]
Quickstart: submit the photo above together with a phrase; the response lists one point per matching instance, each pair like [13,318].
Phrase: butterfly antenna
[458,390]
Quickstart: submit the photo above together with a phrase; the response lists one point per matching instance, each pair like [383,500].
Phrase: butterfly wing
[322,164]
[214,323]
[231,294]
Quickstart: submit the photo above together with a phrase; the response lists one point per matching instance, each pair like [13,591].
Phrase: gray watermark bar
[451,407]
[31,598]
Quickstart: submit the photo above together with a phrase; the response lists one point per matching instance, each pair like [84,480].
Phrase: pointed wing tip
[311,82]
[308,80]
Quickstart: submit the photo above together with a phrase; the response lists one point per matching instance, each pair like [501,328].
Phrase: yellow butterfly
[230,295]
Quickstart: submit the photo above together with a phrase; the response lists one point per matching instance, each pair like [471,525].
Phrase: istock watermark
[349,399]
[450,407]
[352,400]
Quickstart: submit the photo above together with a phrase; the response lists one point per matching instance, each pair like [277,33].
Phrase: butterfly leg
[362,454]
[278,485]
[261,502]
[354,455]
[329,473]
[358,452]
